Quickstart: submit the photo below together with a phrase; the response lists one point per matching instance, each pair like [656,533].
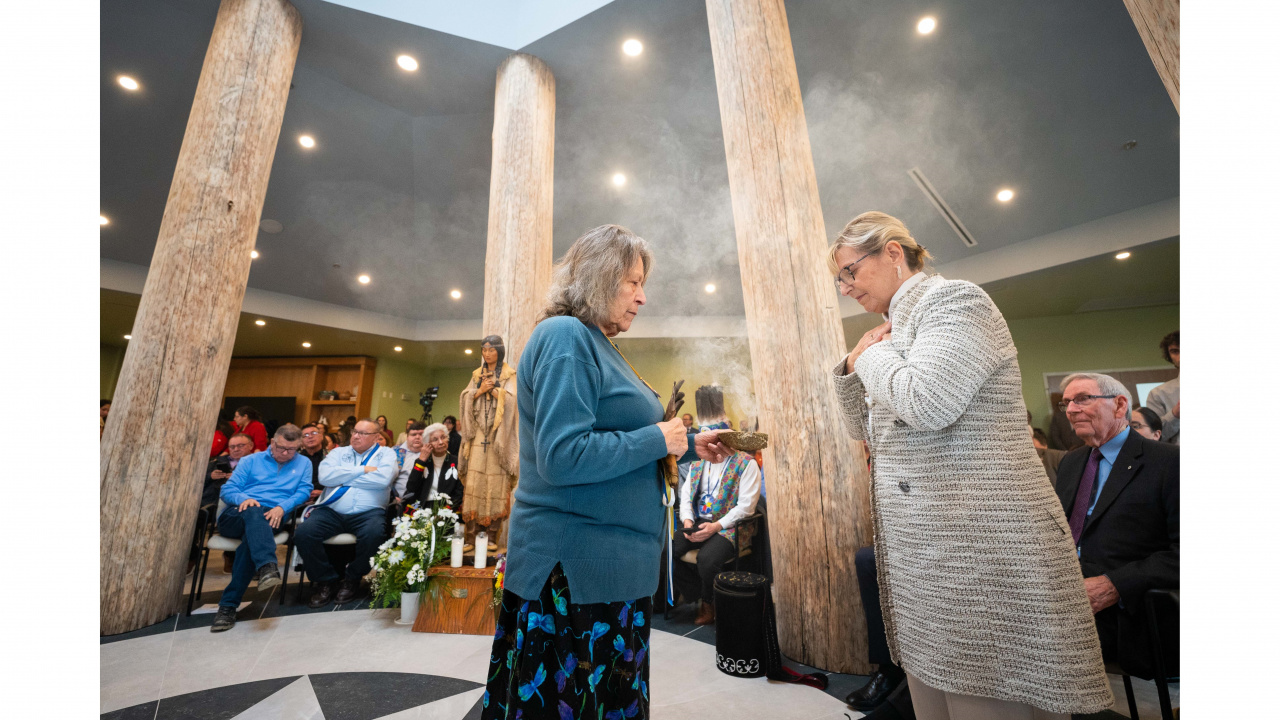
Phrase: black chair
[749,553]
[1162,607]
[207,541]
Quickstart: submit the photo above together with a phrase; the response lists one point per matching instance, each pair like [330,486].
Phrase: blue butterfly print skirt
[558,660]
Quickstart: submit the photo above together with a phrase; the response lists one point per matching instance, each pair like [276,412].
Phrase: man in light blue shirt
[357,486]
[264,488]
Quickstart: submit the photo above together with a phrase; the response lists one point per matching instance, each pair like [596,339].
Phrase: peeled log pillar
[1157,23]
[819,503]
[156,442]
[517,263]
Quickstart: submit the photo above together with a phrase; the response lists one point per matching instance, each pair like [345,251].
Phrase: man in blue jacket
[264,488]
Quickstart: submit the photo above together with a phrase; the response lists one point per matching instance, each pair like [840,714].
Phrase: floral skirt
[559,660]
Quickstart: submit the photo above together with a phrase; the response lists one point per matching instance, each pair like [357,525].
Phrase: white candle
[455,559]
[482,549]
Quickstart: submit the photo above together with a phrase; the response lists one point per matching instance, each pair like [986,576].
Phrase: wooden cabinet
[465,606]
[304,378]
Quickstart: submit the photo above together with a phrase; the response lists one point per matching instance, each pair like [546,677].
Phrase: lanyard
[372,450]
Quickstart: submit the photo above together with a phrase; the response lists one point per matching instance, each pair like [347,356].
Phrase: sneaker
[268,576]
[224,620]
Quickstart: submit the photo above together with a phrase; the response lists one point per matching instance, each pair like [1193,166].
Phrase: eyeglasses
[240,446]
[361,432]
[313,433]
[1082,400]
[845,276]
[284,449]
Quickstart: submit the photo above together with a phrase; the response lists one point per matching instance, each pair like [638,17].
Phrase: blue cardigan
[589,496]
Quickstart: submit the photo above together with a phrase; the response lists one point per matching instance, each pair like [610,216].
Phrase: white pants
[933,704]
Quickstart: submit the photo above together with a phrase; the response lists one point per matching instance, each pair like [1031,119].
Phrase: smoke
[725,362]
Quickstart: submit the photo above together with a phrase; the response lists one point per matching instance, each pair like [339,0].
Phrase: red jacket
[257,431]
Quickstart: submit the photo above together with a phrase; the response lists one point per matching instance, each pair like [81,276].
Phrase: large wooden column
[1157,23]
[517,263]
[817,477]
[156,442]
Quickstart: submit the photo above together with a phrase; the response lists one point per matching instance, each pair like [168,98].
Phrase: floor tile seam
[168,659]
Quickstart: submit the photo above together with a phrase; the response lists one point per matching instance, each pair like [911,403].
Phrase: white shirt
[712,474]
[438,462]
[902,290]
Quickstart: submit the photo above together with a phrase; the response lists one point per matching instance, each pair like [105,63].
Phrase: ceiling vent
[942,207]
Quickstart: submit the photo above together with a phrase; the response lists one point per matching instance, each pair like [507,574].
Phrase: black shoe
[322,595]
[872,694]
[224,620]
[347,592]
[268,576]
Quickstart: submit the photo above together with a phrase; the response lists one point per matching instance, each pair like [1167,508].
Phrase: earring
[899,272]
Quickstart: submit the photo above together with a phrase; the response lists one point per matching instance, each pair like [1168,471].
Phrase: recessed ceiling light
[1122,256]
[259,323]
[710,288]
[127,82]
[306,344]
[398,348]
[619,179]
[467,351]
[1004,195]
[102,220]
[128,337]
[407,62]
[364,279]
[926,25]
[306,141]
[253,254]
[455,294]
[633,47]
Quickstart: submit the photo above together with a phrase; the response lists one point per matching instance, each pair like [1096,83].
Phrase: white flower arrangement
[418,541]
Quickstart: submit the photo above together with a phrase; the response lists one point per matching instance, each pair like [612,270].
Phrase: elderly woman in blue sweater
[586,528]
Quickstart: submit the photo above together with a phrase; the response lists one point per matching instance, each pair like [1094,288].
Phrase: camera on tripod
[426,400]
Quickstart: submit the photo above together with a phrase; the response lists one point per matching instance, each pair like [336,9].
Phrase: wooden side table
[465,607]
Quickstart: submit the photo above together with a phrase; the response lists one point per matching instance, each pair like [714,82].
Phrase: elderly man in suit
[1120,493]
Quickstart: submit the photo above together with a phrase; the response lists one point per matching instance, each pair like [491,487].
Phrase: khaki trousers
[933,704]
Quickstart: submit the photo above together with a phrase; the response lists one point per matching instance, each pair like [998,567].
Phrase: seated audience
[687,419]
[262,491]
[104,408]
[1146,423]
[357,481]
[455,438]
[1164,399]
[1049,457]
[222,467]
[716,497]
[1120,493]
[434,470]
[385,431]
[406,454]
[313,449]
[249,422]
[400,439]
[221,434]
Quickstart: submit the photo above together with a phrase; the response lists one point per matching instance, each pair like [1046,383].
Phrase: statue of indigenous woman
[489,458]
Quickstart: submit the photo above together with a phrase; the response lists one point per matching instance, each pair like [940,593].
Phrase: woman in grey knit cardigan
[983,599]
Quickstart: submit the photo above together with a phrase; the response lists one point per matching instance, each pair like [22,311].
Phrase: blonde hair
[589,276]
[870,232]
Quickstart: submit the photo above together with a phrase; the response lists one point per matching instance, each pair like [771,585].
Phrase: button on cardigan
[589,495]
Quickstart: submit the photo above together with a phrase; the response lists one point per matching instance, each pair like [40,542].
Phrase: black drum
[742,602]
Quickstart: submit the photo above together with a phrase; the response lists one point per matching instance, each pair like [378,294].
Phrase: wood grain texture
[518,256]
[472,614]
[819,503]
[304,378]
[156,441]
[1157,23]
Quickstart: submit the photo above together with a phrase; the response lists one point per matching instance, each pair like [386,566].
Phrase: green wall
[451,382]
[1105,340]
[393,379]
[110,358]
[704,361]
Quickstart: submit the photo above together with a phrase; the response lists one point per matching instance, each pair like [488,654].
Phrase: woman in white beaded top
[983,598]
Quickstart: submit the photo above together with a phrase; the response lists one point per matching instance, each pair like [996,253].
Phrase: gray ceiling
[1035,96]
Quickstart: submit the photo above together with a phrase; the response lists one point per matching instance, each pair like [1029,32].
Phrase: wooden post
[1157,23]
[156,443]
[517,263]
[819,502]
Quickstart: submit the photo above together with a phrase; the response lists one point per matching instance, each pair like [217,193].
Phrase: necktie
[1084,494]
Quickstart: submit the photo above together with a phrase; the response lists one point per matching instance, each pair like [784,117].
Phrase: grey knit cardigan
[979,583]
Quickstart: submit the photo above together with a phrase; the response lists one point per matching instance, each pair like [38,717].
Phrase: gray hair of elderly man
[288,432]
[434,427]
[1107,385]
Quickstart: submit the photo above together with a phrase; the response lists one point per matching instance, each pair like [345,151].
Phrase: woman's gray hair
[586,280]
[1107,385]
[426,433]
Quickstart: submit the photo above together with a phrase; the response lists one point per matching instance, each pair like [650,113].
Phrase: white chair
[296,559]
[226,544]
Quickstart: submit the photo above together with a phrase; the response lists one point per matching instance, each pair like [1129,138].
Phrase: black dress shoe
[347,591]
[872,694]
[224,620]
[322,596]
